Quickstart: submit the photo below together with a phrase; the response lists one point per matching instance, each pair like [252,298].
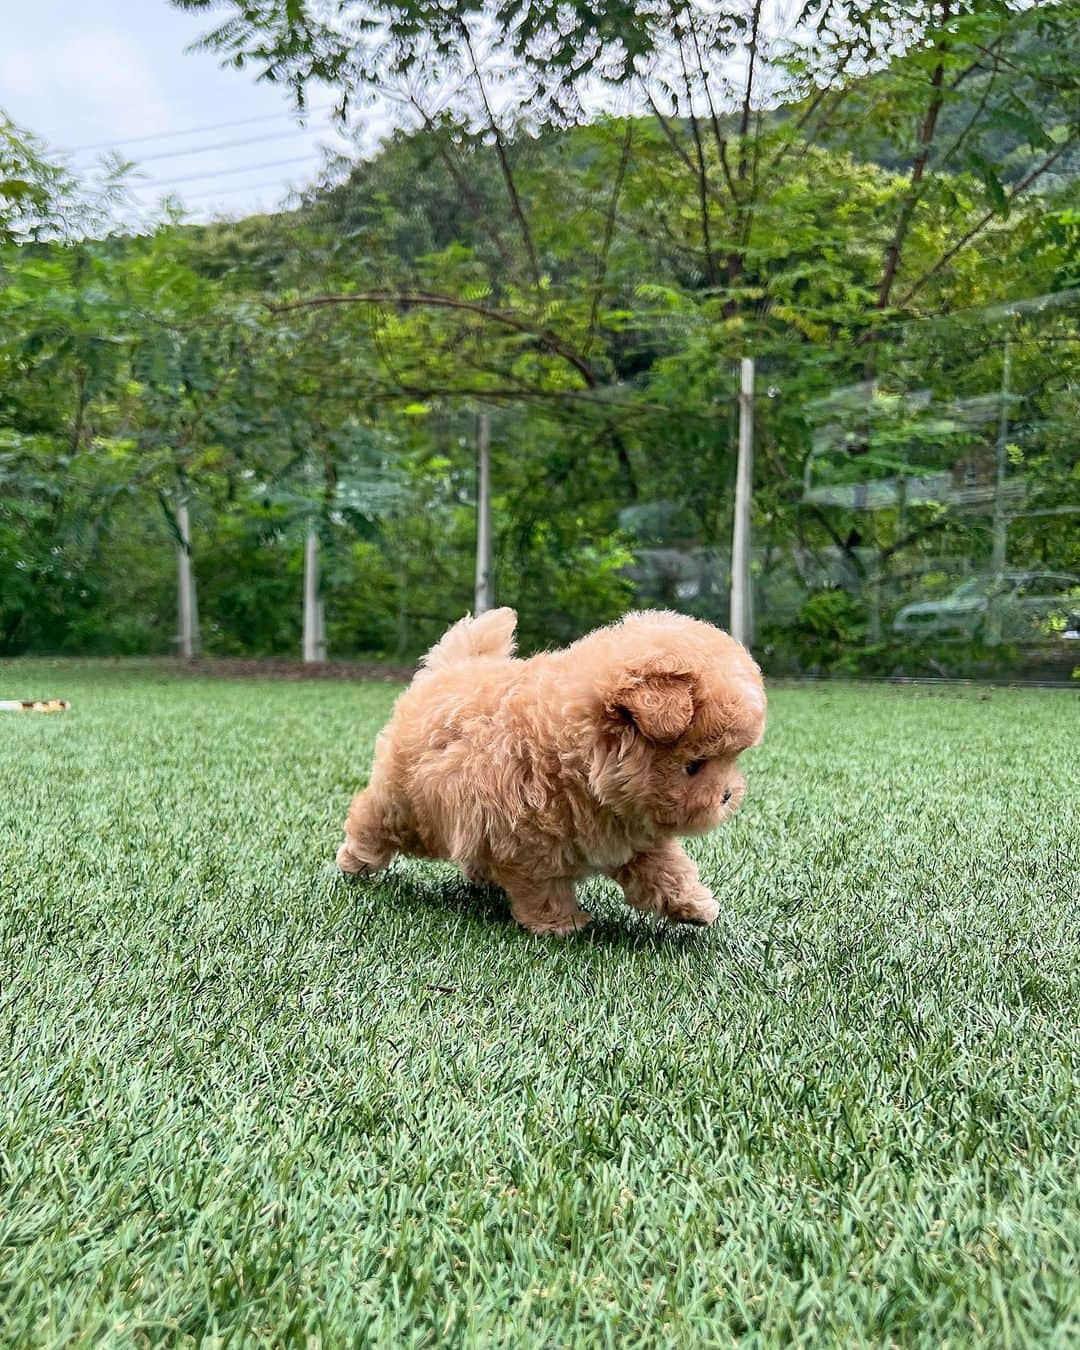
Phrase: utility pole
[742,614]
[483,596]
[187,600]
[999,548]
[314,620]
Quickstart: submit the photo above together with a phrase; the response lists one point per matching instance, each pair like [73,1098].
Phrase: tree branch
[504,162]
[973,120]
[669,134]
[718,135]
[461,182]
[700,174]
[609,232]
[407,299]
[748,95]
[81,403]
[912,537]
[837,538]
[748,208]
[808,112]
[918,168]
[673,140]
[976,65]
[980,225]
[736,258]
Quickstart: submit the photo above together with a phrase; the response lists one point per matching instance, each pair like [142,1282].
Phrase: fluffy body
[533,774]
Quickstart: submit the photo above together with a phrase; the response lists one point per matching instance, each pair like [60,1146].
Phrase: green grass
[243,1101]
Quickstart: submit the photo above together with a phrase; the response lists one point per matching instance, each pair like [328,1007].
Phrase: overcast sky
[90,73]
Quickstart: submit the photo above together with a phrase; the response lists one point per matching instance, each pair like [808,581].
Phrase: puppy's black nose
[727,795]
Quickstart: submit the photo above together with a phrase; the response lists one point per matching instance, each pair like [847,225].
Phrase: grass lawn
[242,1101]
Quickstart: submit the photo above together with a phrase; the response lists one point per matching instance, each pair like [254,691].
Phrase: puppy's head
[678,703]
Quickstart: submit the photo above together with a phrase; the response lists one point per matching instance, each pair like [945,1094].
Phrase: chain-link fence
[922,518]
[914,510]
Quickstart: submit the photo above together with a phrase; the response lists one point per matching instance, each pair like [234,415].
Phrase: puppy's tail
[490,634]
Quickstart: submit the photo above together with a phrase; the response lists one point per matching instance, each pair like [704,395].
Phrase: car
[1018,607]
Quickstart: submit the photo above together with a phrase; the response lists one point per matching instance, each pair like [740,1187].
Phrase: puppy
[593,760]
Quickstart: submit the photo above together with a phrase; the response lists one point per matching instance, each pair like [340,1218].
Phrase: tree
[941,82]
[41,199]
[583,251]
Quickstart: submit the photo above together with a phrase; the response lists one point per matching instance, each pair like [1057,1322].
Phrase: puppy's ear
[660,706]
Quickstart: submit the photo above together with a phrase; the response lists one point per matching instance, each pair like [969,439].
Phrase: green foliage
[41,199]
[591,281]
[828,636]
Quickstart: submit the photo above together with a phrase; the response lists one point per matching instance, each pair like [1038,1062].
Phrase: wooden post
[742,616]
[999,548]
[314,619]
[483,596]
[187,600]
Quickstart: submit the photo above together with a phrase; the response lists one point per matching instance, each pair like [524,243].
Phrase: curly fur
[532,774]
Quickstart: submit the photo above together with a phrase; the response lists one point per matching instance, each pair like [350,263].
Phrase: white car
[1023,606]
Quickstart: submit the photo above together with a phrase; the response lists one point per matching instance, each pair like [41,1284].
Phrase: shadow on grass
[435,887]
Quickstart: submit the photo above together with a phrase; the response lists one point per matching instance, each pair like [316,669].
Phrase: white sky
[88,75]
[83,72]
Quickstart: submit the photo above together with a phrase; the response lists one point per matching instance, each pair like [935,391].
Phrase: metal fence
[932,522]
[907,506]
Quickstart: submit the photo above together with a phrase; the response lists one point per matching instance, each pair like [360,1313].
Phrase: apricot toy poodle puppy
[533,774]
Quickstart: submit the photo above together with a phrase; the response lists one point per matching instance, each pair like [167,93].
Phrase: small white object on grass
[34,705]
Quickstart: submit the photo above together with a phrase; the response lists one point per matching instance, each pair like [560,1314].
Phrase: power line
[240,187]
[190,131]
[229,145]
[222,173]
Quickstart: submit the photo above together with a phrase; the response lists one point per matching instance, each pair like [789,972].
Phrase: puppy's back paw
[560,925]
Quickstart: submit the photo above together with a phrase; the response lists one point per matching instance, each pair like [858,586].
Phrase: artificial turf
[243,1101]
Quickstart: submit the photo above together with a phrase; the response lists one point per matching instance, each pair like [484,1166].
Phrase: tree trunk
[918,169]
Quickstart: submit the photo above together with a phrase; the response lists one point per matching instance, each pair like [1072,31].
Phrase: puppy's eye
[696,766]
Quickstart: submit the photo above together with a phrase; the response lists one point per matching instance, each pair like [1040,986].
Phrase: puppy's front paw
[351,863]
[474,874]
[695,905]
